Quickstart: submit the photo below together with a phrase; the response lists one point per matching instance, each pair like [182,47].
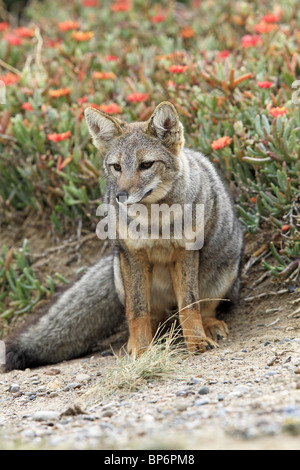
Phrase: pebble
[201,402]
[53,385]
[45,415]
[82,378]
[203,391]
[14,388]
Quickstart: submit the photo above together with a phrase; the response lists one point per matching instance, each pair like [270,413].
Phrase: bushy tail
[84,314]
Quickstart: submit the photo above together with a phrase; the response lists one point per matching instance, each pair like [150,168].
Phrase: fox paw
[215,329]
[201,345]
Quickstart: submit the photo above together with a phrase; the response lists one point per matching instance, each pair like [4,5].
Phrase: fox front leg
[185,278]
[137,285]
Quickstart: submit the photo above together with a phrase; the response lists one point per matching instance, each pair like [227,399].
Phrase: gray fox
[147,273]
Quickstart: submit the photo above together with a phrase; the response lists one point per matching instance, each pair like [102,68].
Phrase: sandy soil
[244,395]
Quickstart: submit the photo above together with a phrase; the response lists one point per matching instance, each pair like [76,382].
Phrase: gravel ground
[244,395]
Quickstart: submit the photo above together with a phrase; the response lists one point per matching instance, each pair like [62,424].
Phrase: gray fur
[85,313]
[92,307]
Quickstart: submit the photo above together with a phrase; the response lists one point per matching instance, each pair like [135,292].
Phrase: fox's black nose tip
[122,196]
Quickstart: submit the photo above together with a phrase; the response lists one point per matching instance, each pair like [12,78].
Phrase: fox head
[142,159]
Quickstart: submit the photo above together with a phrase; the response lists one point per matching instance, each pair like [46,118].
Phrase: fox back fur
[146,277]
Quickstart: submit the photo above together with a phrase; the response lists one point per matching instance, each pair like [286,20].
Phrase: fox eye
[117,167]
[146,165]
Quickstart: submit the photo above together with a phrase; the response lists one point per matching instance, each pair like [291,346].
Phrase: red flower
[68,25]
[112,108]
[24,32]
[60,136]
[263,27]
[178,68]
[13,39]
[265,84]
[121,5]
[90,3]
[223,54]
[270,18]
[111,58]
[3,26]
[275,112]
[221,143]
[251,41]
[82,100]
[159,18]
[10,79]
[27,106]
[137,97]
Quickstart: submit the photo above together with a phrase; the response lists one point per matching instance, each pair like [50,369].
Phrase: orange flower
[59,92]
[10,78]
[112,108]
[104,75]
[58,137]
[187,32]
[24,32]
[138,97]
[27,106]
[121,5]
[94,105]
[178,68]
[275,112]
[285,228]
[265,84]
[67,25]
[250,41]
[221,143]
[81,36]
[263,27]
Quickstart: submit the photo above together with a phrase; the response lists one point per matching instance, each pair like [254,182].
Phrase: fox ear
[164,124]
[103,128]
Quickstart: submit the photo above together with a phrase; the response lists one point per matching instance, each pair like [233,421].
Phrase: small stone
[53,385]
[45,415]
[297,371]
[107,414]
[52,371]
[203,391]
[181,405]
[201,402]
[14,388]
[107,353]
[82,377]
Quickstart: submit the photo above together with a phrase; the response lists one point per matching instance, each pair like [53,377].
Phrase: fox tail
[85,313]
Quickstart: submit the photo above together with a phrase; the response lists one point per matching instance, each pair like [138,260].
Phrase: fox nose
[122,196]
